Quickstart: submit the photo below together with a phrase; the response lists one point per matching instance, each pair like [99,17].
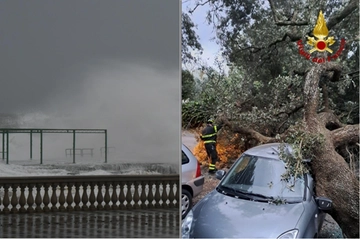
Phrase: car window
[259,175]
[242,164]
[185,159]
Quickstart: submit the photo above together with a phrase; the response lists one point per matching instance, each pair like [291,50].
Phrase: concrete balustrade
[84,193]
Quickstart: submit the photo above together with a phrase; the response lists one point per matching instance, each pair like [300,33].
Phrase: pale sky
[205,32]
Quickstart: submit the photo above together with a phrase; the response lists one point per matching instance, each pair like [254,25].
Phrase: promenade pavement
[151,223]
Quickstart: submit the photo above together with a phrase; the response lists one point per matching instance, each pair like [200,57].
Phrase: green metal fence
[7,131]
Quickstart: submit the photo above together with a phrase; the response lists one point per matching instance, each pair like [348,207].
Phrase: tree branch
[273,10]
[345,135]
[334,20]
[312,79]
[291,111]
[291,22]
[337,18]
[198,5]
[250,133]
[336,69]
[311,92]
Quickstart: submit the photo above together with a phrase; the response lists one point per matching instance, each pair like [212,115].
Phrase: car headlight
[289,234]
[186,225]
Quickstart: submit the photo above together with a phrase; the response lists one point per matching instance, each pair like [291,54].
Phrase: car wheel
[186,202]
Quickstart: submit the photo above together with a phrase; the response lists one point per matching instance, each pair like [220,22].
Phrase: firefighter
[209,135]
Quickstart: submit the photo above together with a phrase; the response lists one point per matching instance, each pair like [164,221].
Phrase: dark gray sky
[44,44]
[99,64]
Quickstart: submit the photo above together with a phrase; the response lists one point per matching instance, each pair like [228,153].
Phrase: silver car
[191,178]
[252,200]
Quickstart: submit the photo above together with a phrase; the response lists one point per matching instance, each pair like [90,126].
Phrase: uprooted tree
[273,94]
[333,177]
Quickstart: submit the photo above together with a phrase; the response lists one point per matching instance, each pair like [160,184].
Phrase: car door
[310,223]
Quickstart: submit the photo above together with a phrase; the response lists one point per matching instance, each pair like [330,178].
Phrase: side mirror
[324,204]
[220,174]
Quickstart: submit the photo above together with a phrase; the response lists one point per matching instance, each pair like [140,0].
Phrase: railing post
[22,200]
[122,197]
[114,197]
[177,194]
[92,196]
[85,197]
[54,199]
[30,199]
[128,196]
[151,195]
[171,194]
[38,197]
[14,199]
[157,194]
[136,197]
[62,197]
[6,199]
[164,195]
[107,198]
[99,198]
[69,197]
[77,196]
[46,198]
[143,195]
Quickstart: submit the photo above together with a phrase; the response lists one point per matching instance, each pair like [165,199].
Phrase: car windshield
[260,176]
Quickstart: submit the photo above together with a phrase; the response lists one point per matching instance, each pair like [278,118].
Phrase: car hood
[218,215]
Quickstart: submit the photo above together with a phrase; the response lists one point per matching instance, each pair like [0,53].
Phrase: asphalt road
[188,139]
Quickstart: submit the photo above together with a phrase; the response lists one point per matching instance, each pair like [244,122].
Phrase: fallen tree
[333,176]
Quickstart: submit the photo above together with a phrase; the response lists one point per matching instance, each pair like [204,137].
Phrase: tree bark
[330,120]
[345,135]
[333,177]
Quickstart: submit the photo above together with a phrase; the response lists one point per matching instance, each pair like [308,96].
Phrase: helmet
[210,121]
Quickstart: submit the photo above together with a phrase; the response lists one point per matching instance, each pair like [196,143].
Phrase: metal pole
[41,147]
[74,146]
[30,144]
[106,146]
[3,145]
[7,147]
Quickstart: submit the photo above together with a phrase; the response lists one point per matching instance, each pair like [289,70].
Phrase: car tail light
[198,170]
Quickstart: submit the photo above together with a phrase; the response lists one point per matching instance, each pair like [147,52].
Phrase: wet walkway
[156,223]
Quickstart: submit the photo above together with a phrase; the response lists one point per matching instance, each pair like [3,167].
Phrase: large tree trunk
[333,177]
